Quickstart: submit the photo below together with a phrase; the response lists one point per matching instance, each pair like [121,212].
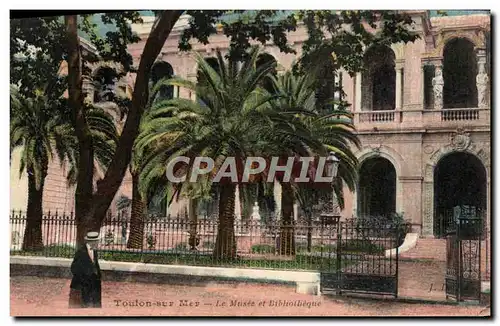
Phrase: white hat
[92,236]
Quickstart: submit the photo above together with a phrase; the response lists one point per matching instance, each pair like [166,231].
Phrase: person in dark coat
[85,288]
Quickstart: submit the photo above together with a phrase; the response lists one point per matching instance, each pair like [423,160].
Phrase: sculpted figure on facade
[437,86]
[482,87]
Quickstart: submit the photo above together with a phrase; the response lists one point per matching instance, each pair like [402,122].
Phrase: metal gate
[366,258]
[463,260]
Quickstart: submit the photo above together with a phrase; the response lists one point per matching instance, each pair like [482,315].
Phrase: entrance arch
[377,188]
[460,186]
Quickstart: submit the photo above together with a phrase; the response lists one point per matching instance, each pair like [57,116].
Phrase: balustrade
[376,116]
[459,114]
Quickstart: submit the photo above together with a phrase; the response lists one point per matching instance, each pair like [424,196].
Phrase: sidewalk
[34,296]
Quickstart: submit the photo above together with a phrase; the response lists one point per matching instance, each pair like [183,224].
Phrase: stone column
[88,89]
[337,94]
[237,204]
[176,91]
[357,95]
[437,86]
[482,81]
[191,77]
[422,85]
[399,85]
[277,200]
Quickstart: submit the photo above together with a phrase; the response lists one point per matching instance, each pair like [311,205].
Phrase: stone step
[427,249]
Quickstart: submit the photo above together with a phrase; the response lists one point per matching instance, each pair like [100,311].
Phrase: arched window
[459,74]
[379,79]
[214,64]
[160,71]
[104,80]
[266,58]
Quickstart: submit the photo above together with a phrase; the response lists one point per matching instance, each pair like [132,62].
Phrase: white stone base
[306,282]
[409,243]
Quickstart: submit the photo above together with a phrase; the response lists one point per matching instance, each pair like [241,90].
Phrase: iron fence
[266,243]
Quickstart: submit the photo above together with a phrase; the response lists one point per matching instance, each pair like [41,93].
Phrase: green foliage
[208,244]
[151,241]
[181,247]
[321,133]
[263,249]
[55,250]
[109,238]
[301,248]
[36,53]
[123,202]
[228,120]
[361,246]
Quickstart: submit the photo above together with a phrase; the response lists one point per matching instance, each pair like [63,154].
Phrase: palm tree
[229,120]
[37,127]
[319,134]
[41,125]
[154,188]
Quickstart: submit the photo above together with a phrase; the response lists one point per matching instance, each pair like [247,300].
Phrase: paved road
[35,296]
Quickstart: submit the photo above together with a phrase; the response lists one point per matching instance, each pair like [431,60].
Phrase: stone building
[422,112]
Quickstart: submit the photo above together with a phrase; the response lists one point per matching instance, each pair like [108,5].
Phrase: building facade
[421,110]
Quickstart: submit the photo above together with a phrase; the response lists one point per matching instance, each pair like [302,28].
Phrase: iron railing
[264,244]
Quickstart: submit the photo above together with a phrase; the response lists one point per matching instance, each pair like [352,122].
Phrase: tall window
[160,71]
[379,79]
[459,73]
[104,80]
[266,58]
[212,62]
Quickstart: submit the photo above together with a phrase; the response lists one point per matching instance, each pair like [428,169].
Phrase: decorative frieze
[428,225]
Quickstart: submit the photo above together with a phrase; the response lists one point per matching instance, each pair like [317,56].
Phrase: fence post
[339,258]
[398,235]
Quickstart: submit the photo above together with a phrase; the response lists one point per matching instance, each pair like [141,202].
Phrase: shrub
[263,249]
[209,245]
[109,238]
[316,248]
[362,245]
[151,241]
[181,247]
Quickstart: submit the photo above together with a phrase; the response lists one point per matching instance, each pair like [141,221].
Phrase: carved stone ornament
[460,141]
[429,149]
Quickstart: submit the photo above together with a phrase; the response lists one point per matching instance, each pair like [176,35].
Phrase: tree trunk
[193,224]
[34,212]
[91,207]
[287,236]
[107,188]
[136,236]
[85,177]
[225,243]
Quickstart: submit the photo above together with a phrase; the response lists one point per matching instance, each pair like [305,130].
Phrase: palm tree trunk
[136,236]
[193,223]
[287,236]
[33,232]
[225,243]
